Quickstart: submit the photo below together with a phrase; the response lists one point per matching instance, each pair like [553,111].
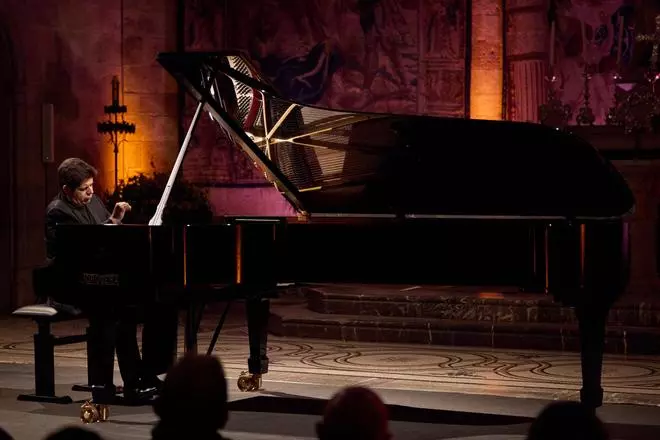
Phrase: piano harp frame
[258,147]
[206,100]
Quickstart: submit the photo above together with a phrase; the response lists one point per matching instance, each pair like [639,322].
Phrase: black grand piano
[389,199]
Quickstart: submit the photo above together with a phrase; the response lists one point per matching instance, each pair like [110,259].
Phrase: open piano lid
[340,163]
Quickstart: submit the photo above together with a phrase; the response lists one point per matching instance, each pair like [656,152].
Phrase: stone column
[486,64]
[527,58]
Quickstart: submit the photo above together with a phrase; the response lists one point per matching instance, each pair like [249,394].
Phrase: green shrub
[187,203]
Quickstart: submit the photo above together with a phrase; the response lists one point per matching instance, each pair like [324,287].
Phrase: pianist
[110,330]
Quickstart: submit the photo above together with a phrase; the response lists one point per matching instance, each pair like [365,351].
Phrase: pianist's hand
[121,208]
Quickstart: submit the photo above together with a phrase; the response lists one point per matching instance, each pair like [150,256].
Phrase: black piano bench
[44,350]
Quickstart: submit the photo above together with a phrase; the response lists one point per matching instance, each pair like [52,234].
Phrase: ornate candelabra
[554,112]
[115,124]
[585,114]
[636,105]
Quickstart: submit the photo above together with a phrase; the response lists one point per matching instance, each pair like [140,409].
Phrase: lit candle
[552,44]
[620,42]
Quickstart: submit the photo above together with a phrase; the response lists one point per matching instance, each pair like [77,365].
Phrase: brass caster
[93,413]
[249,382]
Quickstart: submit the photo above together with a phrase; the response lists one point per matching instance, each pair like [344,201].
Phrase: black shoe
[139,395]
[152,382]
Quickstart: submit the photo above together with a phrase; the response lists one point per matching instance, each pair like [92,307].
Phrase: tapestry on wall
[394,56]
[212,160]
[601,34]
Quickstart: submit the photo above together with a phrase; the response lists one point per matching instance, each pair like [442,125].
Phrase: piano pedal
[91,412]
[249,382]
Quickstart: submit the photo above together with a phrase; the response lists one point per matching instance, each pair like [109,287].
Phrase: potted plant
[187,204]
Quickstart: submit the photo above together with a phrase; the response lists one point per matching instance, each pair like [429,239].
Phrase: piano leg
[258,311]
[592,319]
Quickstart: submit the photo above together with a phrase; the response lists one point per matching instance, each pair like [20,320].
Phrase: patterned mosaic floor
[508,373]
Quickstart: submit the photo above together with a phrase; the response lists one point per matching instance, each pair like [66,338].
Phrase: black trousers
[113,328]
[116,331]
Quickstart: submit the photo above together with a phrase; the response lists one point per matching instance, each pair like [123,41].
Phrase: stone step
[296,320]
[464,303]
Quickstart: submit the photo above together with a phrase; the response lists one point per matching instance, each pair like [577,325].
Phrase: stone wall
[66,54]
[643,178]
[7,79]
[149,91]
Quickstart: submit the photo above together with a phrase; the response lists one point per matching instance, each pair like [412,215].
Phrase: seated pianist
[109,329]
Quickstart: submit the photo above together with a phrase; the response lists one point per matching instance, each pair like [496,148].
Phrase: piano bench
[44,350]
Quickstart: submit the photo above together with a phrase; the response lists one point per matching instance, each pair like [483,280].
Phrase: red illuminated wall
[65,53]
[399,56]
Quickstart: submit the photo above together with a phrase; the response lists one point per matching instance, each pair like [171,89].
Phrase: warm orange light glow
[583,242]
[490,295]
[239,254]
[134,152]
[153,146]
[137,152]
[486,76]
[106,165]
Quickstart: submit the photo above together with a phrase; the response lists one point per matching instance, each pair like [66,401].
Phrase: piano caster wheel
[93,413]
[249,382]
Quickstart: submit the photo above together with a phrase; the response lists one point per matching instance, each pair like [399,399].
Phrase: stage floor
[434,392]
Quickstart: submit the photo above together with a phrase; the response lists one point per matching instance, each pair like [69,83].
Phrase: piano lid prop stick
[157,219]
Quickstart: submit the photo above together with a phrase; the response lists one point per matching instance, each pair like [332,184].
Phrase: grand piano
[389,198]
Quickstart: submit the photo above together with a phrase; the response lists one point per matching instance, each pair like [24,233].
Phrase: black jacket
[61,211]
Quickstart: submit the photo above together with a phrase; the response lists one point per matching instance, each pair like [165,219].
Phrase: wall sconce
[115,124]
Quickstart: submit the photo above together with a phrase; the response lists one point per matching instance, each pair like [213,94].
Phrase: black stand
[218,329]
[257,310]
[44,363]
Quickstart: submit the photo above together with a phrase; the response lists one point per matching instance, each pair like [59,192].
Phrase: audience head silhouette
[193,398]
[567,421]
[354,413]
[73,433]
[4,435]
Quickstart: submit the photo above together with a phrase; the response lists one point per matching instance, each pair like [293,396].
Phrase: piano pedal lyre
[91,412]
[249,382]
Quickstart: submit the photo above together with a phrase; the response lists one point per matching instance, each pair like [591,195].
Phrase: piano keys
[186,265]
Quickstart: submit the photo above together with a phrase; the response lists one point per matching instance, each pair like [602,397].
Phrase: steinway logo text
[97,279]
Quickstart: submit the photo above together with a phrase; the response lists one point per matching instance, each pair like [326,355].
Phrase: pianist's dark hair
[73,171]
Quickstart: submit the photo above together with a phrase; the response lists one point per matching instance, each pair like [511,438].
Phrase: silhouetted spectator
[4,435]
[567,421]
[354,413]
[73,433]
[193,402]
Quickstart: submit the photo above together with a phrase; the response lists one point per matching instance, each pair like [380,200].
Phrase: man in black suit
[111,328]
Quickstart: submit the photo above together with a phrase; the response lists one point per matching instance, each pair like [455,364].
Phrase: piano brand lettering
[98,279]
